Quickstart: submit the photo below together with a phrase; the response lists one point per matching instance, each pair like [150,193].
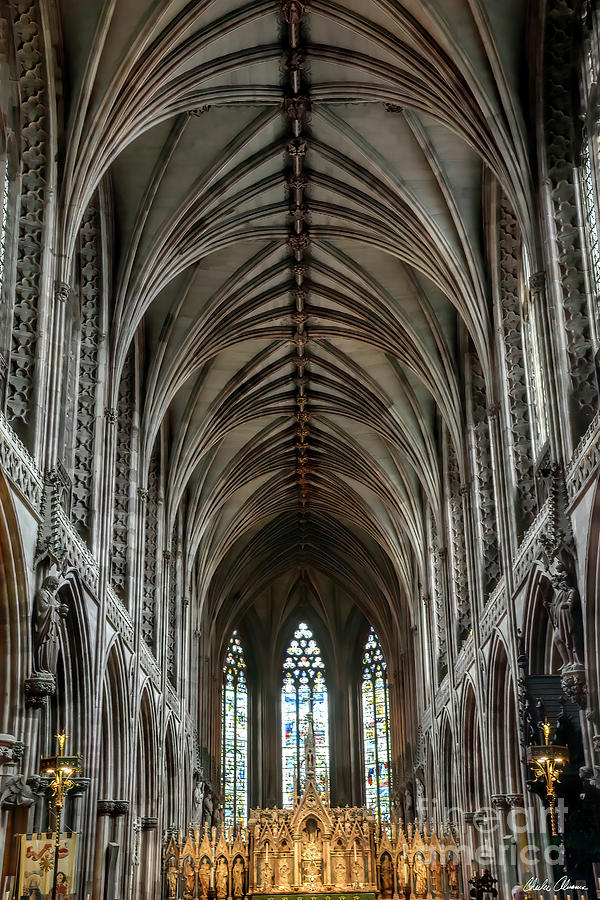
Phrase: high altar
[311,850]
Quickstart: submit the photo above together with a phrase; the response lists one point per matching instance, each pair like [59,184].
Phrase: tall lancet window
[234,766]
[303,686]
[376,728]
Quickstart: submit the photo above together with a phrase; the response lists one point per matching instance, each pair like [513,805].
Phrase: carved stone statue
[204,878]
[207,807]
[238,878]
[197,800]
[561,607]
[358,870]
[420,872]
[221,879]
[409,808]
[172,875]
[387,876]
[47,614]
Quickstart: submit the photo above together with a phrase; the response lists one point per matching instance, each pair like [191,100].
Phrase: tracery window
[536,394]
[590,216]
[234,765]
[304,687]
[376,728]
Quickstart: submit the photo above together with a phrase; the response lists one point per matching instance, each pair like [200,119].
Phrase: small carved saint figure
[387,876]
[402,872]
[189,880]
[357,870]
[452,872]
[284,874]
[221,879]
[238,878]
[48,612]
[267,877]
[420,872]
[561,607]
[204,878]
[435,870]
[172,876]
[340,871]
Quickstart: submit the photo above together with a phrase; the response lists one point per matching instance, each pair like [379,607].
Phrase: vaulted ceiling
[299,237]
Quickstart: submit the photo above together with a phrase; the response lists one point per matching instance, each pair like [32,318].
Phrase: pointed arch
[234,723]
[304,689]
[376,728]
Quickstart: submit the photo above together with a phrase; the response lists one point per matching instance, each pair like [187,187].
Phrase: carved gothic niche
[31,73]
[561,118]
[510,313]
[562,604]
[84,415]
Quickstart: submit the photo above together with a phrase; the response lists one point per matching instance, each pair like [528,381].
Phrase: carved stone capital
[149,823]
[499,801]
[142,494]
[596,743]
[105,807]
[515,800]
[80,786]
[111,414]
[120,808]
[38,687]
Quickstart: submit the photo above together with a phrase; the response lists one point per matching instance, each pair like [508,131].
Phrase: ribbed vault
[191,109]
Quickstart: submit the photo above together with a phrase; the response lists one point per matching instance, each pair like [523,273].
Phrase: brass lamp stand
[61,769]
[547,762]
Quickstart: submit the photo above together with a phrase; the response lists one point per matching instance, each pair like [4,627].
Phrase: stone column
[104,809]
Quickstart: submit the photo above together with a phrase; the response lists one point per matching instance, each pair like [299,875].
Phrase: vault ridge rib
[296,106]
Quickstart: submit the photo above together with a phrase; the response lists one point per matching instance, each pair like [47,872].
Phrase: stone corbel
[11,750]
[16,792]
[38,687]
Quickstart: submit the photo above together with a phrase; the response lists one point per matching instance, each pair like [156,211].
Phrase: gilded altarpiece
[312,851]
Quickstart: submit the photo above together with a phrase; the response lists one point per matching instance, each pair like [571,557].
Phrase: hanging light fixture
[61,770]
[547,762]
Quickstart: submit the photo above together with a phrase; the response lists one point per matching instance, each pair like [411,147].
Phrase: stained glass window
[3,219]
[235,735]
[303,685]
[376,729]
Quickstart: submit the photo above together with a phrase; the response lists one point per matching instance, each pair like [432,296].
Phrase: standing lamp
[547,762]
[60,769]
